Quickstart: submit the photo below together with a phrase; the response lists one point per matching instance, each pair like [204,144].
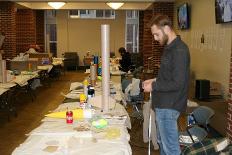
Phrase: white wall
[82,35]
[210,60]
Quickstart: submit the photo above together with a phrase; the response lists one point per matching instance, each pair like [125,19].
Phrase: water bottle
[85,84]
[82,100]
[91,92]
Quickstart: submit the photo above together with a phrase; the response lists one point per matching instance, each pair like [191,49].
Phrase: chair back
[135,87]
[125,84]
[71,59]
[70,55]
[132,89]
[138,72]
[202,115]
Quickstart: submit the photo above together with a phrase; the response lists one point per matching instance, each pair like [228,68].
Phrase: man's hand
[147,85]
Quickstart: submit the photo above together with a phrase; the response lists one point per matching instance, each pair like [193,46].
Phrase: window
[133,14]
[132,31]
[99,13]
[51,42]
[94,14]
[51,14]
[74,14]
[87,13]
[108,13]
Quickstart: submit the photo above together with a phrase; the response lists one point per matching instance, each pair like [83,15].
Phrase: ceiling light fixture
[56,5]
[115,5]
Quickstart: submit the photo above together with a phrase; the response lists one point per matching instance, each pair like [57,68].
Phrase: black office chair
[198,130]
[133,90]
[138,72]
[71,60]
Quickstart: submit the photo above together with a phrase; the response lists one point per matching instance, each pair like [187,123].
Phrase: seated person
[88,58]
[125,62]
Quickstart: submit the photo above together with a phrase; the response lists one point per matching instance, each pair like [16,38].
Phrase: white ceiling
[88,4]
[93,0]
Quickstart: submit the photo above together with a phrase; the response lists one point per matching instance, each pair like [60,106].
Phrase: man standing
[170,88]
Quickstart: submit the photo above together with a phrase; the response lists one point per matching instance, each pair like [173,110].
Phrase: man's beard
[164,39]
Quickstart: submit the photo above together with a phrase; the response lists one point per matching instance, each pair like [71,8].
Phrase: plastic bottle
[91,92]
[29,67]
[95,59]
[85,85]
[82,100]
[99,70]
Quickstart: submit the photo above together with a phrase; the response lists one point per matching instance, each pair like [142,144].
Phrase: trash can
[202,89]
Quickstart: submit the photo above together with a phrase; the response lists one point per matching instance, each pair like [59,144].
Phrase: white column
[105,49]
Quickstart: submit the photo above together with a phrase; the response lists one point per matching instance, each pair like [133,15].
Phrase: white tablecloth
[61,138]
[47,68]
[55,137]
[71,145]
[24,77]
[7,85]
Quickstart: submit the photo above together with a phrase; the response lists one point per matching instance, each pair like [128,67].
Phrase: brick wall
[229,114]
[166,8]
[40,29]
[29,29]
[8,27]
[151,48]
[25,29]
[21,27]
[147,37]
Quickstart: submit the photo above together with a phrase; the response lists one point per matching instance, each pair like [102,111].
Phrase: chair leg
[136,108]
[137,112]
[190,136]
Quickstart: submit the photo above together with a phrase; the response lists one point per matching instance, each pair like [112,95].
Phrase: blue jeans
[167,131]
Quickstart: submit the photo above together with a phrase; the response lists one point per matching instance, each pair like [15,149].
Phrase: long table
[19,83]
[9,89]
[56,137]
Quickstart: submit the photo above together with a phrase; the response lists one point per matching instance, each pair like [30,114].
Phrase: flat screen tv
[223,11]
[183,16]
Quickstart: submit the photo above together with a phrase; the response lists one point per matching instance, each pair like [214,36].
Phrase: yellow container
[77,114]
[85,82]
[82,97]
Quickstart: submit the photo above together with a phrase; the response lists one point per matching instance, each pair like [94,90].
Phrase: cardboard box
[23,65]
[215,89]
